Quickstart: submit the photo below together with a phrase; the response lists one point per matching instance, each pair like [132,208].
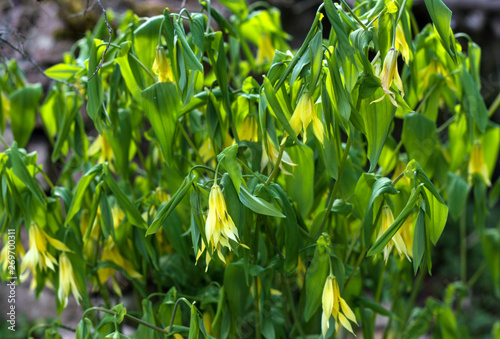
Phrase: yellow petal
[328,296]
[347,325]
[347,311]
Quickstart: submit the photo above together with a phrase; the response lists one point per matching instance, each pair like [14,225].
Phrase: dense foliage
[276,193]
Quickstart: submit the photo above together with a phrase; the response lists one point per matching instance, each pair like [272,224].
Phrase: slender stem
[335,188]
[413,297]
[190,142]
[358,262]
[175,310]
[47,179]
[274,173]
[242,163]
[256,294]
[295,316]
[143,67]
[2,140]
[476,275]
[376,18]
[353,15]
[397,178]
[446,124]
[494,106]
[463,248]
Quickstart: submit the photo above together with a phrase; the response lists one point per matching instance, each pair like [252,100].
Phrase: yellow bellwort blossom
[4,254]
[265,51]
[67,281]
[248,129]
[219,227]
[38,254]
[334,305]
[161,66]
[389,74]
[397,240]
[303,115]
[477,164]
[401,44]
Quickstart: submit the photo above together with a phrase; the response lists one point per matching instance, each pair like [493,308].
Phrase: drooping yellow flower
[219,227]
[401,44]
[407,231]
[303,115]
[248,129]
[112,253]
[389,74]
[161,66]
[102,144]
[273,158]
[434,67]
[477,164]
[67,281]
[38,254]
[265,51]
[334,304]
[4,254]
[397,240]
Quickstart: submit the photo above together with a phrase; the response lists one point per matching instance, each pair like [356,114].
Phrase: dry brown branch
[110,31]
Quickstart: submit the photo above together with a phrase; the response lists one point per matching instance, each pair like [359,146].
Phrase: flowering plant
[262,187]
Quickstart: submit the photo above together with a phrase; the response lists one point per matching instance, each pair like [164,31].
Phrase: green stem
[358,262]
[256,294]
[175,310]
[446,124]
[143,67]
[494,106]
[463,248]
[335,188]
[274,173]
[47,179]
[413,297]
[189,141]
[376,18]
[397,178]
[476,275]
[295,316]
[245,166]
[353,15]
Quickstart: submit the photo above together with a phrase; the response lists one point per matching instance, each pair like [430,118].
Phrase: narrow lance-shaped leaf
[258,205]
[227,158]
[21,171]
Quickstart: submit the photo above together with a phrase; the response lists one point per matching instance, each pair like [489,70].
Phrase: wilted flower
[161,66]
[477,164]
[38,254]
[333,304]
[265,51]
[397,240]
[388,75]
[67,281]
[273,158]
[303,115]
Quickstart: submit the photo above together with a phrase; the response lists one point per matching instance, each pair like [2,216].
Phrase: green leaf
[191,61]
[377,117]
[334,18]
[387,236]
[316,276]
[276,108]
[457,191]
[194,324]
[436,216]
[120,312]
[473,101]
[168,207]
[291,230]
[238,7]
[491,244]
[84,329]
[412,168]
[300,185]
[419,238]
[95,90]
[258,205]
[162,106]
[419,138]
[381,186]
[23,107]
[133,215]
[126,70]
[145,42]
[72,108]
[365,302]
[227,158]
[236,289]
[76,203]
[234,207]
[21,171]
[441,17]
[62,72]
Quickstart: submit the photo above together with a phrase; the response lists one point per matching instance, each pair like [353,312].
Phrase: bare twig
[85,11]
[26,56]
[110,31]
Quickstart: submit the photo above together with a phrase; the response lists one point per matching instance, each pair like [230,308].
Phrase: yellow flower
[333,304]
[265,51]
[397,240]
[303,115]
[4,254]
[388,75]
[102,144]
[392,7]
[477,164]
[161,66]
[67,281]
[407,231]
[219,227]
[112,253]
[273,157]
[248,129]
[401,44]
[38,254]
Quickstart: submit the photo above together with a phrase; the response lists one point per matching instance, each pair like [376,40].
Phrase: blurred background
[38,33]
